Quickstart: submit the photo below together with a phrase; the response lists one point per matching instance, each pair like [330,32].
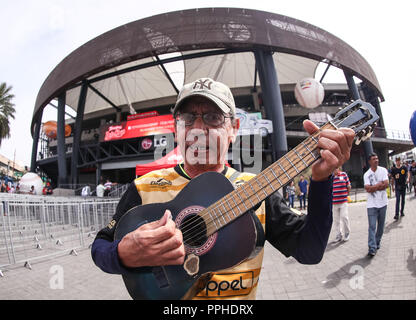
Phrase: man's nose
[199,123]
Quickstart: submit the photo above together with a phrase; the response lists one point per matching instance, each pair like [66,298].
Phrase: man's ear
[236,123]
[235,127]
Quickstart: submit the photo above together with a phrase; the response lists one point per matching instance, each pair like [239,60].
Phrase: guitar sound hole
[194,230]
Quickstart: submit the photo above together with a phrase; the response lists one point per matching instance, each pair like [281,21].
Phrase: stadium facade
[123,84]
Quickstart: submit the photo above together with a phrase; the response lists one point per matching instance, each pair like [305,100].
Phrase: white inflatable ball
[31,179]
[309,93]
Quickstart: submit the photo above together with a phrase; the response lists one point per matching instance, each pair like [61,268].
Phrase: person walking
[413,175]
[400,178]
[340,189]
[303,191]
[291,192]
[376,181]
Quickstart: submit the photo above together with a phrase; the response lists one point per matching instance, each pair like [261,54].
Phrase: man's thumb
[167,215]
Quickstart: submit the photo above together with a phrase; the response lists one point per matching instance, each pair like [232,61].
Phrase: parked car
[252,123]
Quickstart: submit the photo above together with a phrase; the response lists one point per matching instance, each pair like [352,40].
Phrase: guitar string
[196,221]
[201,235]
[298,160]
[263,184]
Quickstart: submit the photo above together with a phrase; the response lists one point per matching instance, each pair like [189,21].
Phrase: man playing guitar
[205,126]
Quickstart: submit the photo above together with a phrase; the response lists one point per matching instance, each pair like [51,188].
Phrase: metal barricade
[40,227]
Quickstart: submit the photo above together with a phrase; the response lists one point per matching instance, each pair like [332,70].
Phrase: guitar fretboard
[254,191]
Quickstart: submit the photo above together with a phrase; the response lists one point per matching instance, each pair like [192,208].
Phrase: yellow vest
[239,282]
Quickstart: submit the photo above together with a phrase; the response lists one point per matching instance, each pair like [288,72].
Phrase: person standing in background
[32,190]
[341,188]
[413,175]
[100,190]
[376,181]
[303,191]
[291,192]
[107,185]
[400,178]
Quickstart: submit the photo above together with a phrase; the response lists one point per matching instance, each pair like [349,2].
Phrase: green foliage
[7,110]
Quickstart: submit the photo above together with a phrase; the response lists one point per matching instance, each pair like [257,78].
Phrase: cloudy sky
[37,35]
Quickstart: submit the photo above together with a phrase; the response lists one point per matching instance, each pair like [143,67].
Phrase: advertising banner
[137,128]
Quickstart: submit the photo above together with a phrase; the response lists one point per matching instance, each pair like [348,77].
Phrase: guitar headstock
[359,116]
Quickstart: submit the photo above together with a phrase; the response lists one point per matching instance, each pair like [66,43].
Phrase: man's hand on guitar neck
[335,147]
[157,243]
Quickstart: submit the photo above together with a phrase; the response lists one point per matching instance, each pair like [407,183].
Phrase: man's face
[200,143]
[373,161]
[398,163]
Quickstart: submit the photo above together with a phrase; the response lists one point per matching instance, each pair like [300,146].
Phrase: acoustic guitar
[210,213]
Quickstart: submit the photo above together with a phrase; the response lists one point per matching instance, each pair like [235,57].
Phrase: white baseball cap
[216,91]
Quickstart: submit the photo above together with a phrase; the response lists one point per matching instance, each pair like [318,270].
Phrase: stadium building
[119,89]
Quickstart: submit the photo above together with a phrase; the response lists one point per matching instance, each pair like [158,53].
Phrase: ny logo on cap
[202,84]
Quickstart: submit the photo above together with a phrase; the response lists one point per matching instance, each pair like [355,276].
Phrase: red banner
[170,160]
[138,128]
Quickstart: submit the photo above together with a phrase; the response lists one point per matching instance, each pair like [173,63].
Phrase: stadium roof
[138,61]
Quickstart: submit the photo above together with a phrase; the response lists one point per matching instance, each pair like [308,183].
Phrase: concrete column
[62,175]
[272,100]
[77,134]
[35,143]
[367,145]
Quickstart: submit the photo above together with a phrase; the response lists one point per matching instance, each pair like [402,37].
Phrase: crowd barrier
[40,227]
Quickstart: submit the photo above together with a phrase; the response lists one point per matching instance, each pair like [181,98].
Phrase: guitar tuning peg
[369,134]
[357,141]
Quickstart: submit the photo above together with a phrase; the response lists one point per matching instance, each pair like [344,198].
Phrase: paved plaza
[344,273]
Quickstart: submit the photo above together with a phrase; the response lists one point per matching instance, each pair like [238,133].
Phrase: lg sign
[147,143]
[161,142]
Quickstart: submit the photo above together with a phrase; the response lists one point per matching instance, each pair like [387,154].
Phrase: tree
[7,110]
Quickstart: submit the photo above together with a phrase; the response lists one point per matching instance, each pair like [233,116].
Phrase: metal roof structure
[128,65]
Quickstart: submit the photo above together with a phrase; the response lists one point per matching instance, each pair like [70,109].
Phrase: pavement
[345,272]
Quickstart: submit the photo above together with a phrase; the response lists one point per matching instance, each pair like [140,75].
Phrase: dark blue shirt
[303,186]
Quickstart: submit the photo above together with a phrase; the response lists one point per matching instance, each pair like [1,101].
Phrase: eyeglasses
[213,119]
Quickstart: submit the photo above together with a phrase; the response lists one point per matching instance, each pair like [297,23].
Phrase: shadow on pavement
[411,263]
[333,245]
[393,225]
[347,272]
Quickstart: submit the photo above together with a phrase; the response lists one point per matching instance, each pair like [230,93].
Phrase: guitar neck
[254,191]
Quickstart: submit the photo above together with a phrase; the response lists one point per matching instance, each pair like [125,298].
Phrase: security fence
[40,227]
